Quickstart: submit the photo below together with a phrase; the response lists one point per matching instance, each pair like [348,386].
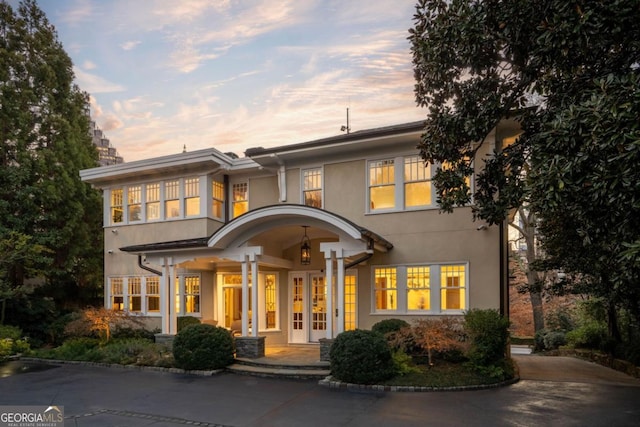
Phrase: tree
[479,62]
[44,129]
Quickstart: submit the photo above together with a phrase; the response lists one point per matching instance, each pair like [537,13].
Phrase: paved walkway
[553,391]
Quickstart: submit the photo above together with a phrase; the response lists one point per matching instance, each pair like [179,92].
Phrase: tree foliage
[568,72]
[45,142]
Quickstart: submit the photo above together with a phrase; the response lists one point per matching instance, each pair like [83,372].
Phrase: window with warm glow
[312,187]
[192,196]
[418,296]
[240,198]
[382,185]
[134,205]
[117,205]
[452,287]
[134,286]
[417,182]
[172,199]
[217,207]
[350,302]
[153,201]
[386,292]
[192,294]
[267,296]
[117,294]
[153,294]
[270,301]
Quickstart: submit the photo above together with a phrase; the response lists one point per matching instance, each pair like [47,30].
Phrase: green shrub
[389,325]
[184,321]
[538,340]
[12,332]
[361,357]
[203,346]
[124,351]
[75,348]
[121,332]
[11,341]
[591,335]
[554,340]
[488,334]
[403,364]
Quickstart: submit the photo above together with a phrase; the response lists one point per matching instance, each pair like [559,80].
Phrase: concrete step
[278,363]
[296,372]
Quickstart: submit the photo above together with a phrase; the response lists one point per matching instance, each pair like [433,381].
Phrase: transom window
[312,187]
[408,289]
[240,198]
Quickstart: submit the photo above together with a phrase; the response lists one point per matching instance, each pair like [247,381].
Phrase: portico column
[254,296]
[173,318]
[329,285]
[245,296]
[340,296]
[164,300]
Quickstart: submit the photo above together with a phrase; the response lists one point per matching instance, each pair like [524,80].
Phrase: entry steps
[263,367]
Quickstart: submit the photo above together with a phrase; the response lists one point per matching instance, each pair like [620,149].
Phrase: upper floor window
[153,201]
[134,197]
[172,199]
[312,187]
[117,205]
[240,198]
[192,196]
[382,187]
[217,204]
[417,182]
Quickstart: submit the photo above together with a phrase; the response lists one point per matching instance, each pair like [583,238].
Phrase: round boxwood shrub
[361,357]
[184,321]
[203,347]
[389,325]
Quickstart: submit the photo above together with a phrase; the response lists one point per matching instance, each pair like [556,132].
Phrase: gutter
[363,258]
[144,267]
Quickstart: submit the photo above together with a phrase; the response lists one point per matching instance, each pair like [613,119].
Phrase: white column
[329,284]
[340,294]
[254,297]
[164,300]
[245,296]
[173,317]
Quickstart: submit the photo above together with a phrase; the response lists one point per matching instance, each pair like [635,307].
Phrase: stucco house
[297,243]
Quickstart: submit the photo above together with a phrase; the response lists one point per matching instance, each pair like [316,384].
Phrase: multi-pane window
[134,287]
[452,287]
[153,294]
[418,297]
[417,182]
[382,184]
[117,205]
[172,199]
[267,297]
[153,201]
[386,291]
[192,196]
[117,294]
[312,187]
[270,301]
[298,303]
[192,294]
[134,203]
[217,206]
[350,302]
[240,198]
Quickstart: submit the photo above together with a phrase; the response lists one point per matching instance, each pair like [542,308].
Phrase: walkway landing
[296,361]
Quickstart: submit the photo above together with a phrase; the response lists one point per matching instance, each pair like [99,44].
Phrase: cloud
[95,84]
[88,65]
[129,45]
[80,11]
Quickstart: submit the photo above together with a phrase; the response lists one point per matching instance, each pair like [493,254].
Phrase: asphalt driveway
[553,391]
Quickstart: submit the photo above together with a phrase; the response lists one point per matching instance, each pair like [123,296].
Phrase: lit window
[192,294]
[134,197]
[452,287]
[350,303]
[382,185]
[117,294]
[232,301]
[171,199]
[270,301]
[240,199]
[135,293]
[417,182]
[153,294]
[386,293]
[418,296]
[312,187]
[153,201]
[117,206]
[217,207]
[192,196]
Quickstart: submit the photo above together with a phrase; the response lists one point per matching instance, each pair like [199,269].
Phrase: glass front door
[308,307]
[318,308]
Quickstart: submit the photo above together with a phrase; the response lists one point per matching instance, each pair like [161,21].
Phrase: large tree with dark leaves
[569,72]
[49,219]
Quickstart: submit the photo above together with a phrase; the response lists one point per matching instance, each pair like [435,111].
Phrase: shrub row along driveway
[553,391]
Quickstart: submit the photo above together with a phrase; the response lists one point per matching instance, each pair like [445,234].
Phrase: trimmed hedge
[361,357]
[389,325]
[184,321]
[203,347]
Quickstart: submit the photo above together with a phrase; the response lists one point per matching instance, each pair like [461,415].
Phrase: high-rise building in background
[107,154]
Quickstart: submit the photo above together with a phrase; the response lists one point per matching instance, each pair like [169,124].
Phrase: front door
[308,307]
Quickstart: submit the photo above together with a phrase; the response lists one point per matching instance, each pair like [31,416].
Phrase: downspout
[227,197]
[144,267]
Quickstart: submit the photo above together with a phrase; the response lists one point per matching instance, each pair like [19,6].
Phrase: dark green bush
[538,340]
[389,325]
[76,348]
[488,334]
[361,357]
[184,321]
[591,335]
[554,339]
[123,332]
[203,347]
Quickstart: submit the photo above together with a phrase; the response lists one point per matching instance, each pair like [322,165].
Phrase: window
[172,199]
[312,187]
[267,296]
[417,182]
[134,198]
[452,285]
[192,196]
[240,199]
[381,185]
[192,294]
[270,301]
[117,201]
[135,293]
[350,303]
[117,294]
[386,288]
[153,201]
[418,288]
[217,207]
[153,294]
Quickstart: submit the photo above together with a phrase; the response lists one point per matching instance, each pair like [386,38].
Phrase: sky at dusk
[163,74]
